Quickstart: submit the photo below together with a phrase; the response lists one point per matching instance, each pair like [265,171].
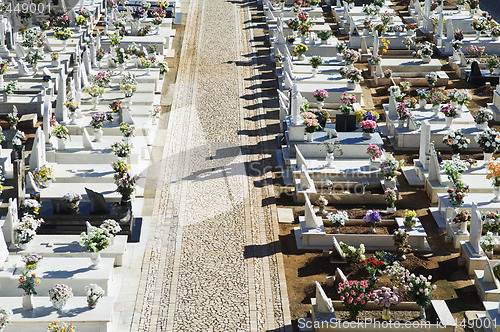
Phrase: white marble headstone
[425,139]
[22,68]
[311,221]
[60,112]
[10,220]
[476,228]
[87,141]
[300,160]
[37,152]
[434,168]
[489,276]
[323,303]
[306,183]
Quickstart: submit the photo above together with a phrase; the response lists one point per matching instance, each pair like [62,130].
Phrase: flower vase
[378,70]
[301,56]
[448,122]
[157,30]
[95,102]
[72,116]
[463,228]
[148,71]
[35,68]
[401,123]
[487,155]
[409,223]
[339,57]
[373,230]
[422,102]
[59,305]
[435,109]
[374,164]
[321,104]
[496,192]
[489,253]
[391,210]
[478,34]
[135,28]
[386,313]
[61,144]
[64,44]
[367,135]
[351,85]
[336,230]
[95,257]
[22,246]
[422,313]
[329,160]
[390,183]
[426,59]
[28,302]
[482,125]
[1,81]
[314,72]
[309,137]
[98,134]
[92,305]
[303,39]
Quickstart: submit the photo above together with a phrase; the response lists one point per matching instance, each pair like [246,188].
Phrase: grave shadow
[66,274]
[261,250]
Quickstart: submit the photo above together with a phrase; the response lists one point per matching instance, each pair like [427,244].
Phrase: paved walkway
[210,262]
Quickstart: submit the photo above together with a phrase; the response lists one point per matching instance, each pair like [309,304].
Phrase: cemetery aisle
[210,261]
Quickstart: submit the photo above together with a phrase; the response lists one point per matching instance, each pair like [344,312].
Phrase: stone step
[412,177]
[438,218]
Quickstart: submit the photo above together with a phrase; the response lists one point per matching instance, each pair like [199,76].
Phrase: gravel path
[211,261]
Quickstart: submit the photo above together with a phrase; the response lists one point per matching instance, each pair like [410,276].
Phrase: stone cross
[311,221]
[300,160]
[476,228]
[323,303]
[425,139]
[60,112]
[434,169]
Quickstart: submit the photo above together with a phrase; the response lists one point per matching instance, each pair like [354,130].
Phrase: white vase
[489,253]
[64,44]
[478,34]
[426,59]
[148,71]
[73,116]
[496,193]
[487,155]
[303,39]
[321,104]
[351,85]
[98,134]
[1,81]
[61,144]
[391,210]
[59,305]
[55,63]
[422,103]
[436,110]
[314,72]
[378,70]
[401,123]
[95,102]
[309,137]
[28,302]
[95,257]
[463,227]
[329,160]
[448,121]
[339,57]
[375,164]
[367,136]
[482,125]
[390,183]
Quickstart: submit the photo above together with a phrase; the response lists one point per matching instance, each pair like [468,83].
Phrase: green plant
[96,240]
[28,283]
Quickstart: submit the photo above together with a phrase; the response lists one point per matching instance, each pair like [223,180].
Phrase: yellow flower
[37,281]
[389,42]
[383,40]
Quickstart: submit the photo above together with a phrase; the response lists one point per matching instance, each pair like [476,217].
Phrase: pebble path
[212,260]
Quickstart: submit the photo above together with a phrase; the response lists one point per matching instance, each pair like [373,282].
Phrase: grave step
[438,218]
[412,177]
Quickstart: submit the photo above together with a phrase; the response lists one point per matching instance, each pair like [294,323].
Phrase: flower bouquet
[352,254]
[31,207]
[138,13]
[400,238]
[474,51]
[420,290]
[25,230]
[116,106]
[403,113]
[320,95]
[80,20]
[346,103]
[483,115]
[449,111]
[410,218]
[59,294]
[386,17]
[300,49]
[387,73]
[96,240]
[121,149]
[480,24]
[94,90]
[337,219]
[494,172]
[128,85]
[6,317]
[125,184]
[28,283]
[350,56]
[63,34]
[324,35]
[436,97]
[341,47]
[72,200]
[390,197]
[94,293]
[13,118]
[100,53]
[374,151]
[456,141]
[491,222]
[98,120]
[31,261]
[368,126]
[386,297]
[4,65]
[492,61]
[111,226]
[456,197]
[462,97]
[127,129]
[101,79]
[354,296]
[488,140]
[373,266]
[372,218]
[351,74]
[311,122]
[316,61]
[43,176]
[463,216]
[389,167]
[32,57]
[60,132]
[431,78]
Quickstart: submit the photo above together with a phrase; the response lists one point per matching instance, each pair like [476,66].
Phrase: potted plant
[320,95]
[322,202]
[354,296]
[373,266]
[311,124]
[386,298]
[372,218]
[121,149]
[315,61]
[324,35]
[368,127]
[125,185]
[31,261]
[96,240]
[345,121]
[300,50]
[488,243]
[420,291]
[456,141]
[59,294]
[25,230]
[62,134]
[374,152]
[389,168]
[94,293]
[491,222]
[13,118]
[331,149]
[337,219]
[390,197]
[353,76]
[31,207]
[28,282]
[72,200]
[489,141]
[400,237]
[481,118]
[450,113]
[410,218]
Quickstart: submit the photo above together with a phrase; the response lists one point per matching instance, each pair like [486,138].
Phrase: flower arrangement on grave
[495,31]
[28,282]
[94,293]
[410,218]
[480,24]
[80,20]
[423,94]
[386,17]
[114,38]
[25,230]
[31,261]
[458,35]
[85,13]
[43,175]
[400,238]
[390,197]
[4,65]
[72,200]
[354,296]
[405,86]
[333,147]
[474,51]
[434,5]
[121,149]
[341,47]
[6,317]
[321,202]
[488,140]
[61,132]
[387,73]
[163,67]
[449,111]
[125,184]
[457,45]
[351,74]
[483,115]
[128,85]
[138,13]
[366,115]
[492,61]
[18,139]
[436,97]
[120,166]
[420,289]
[311,122]
[368,126]
[350,56]
[101,79]
[456,141]
[324,35]
[304,25]
[100,53]
[337,219]
[386,298]
[353,254]
[99,119]
[63,34]
[373,266]
[157,21]
[116,106]
[424,50]
[293,24]
[370,9]
[155,111]
[96,240]
[462,97]
[71,106]
[374,151]
[488,242]
[159,12]
[300,49]
[372,218]
[320,95]
[33,37]
[144,30]
[45,25]
[410,27]
[456,197]
[59,294]
[396,91]
[316,61]
[120,56]
[494,172]
[62,21]
[32,57]
[367,24]
[473,4]
[145,5]
[346,103]
[111,226]
[431,78]
[390,166]
[375,59]
[31,207]
[13,118]
[127,130]
[398,275]
[491,222]
[403,113]
[94,90]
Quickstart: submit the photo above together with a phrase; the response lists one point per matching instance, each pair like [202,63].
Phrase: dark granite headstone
[98,204]
[474,69]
